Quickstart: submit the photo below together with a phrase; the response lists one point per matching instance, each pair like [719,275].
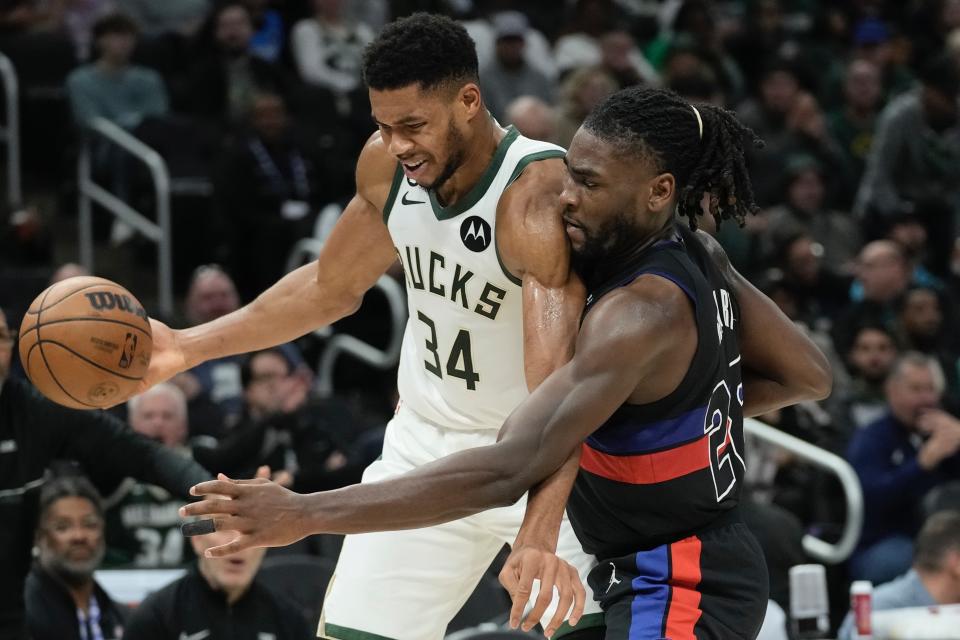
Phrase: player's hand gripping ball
[85,343]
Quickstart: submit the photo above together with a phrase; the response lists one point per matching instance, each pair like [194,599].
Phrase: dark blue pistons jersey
[661,471]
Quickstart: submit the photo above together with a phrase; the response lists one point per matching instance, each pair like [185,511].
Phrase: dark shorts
[710,586]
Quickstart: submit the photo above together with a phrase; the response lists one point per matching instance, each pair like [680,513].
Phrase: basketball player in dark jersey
[674,349]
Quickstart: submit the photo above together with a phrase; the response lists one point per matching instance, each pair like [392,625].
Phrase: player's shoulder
[376,169]
[649,303]
[529,222]
[713,248]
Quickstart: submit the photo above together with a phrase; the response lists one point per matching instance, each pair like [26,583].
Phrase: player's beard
[455,144]
[603,250]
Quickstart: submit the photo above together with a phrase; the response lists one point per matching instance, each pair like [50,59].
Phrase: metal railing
[10,132]
[853,493]
[90,192]
[339,344]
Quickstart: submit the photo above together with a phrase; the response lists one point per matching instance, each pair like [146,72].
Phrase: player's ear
[468,98]
[662,188]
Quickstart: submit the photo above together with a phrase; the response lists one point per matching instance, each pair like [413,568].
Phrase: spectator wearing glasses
[63,601]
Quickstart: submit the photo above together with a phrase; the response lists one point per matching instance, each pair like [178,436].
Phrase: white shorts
[408,585]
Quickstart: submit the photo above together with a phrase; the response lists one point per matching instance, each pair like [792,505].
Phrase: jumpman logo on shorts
[613,577]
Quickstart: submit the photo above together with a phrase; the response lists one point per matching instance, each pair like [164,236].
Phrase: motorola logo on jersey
[476,233]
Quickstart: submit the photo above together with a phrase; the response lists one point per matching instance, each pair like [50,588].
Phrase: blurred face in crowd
[911,391]
[234,30]
[327,8]
[593,91]
[533,118]
[117,46]
[911,234]
[871,355]
[806,191]
[212,294]
[6,347]
[883,271]
[921,317]
[778,90]
[70,539]
[939,109]
[863,87]
[427,130]
[159,414]
[615,48]
[509,51]
[268,115]
[803,260]
[231,575]
[269,381]
[68,270]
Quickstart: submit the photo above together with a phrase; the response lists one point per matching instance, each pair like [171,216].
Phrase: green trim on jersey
[473,196]
[337,632]
[521,165]
[533,157]
[512,278]
[394,189]
[588,621]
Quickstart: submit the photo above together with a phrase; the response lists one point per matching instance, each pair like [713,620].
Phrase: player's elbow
[817,380]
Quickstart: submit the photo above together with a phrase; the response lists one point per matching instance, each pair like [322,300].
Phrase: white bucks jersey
[461,364]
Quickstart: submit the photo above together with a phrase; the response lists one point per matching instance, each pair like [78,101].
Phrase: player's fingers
[215,506]
[520,594]
[251,481]
[509,576]
[565,590]
[238,544]
[222,487]
[579,597]
[548,576]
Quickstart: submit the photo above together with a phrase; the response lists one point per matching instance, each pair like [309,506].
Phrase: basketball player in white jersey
[472,211]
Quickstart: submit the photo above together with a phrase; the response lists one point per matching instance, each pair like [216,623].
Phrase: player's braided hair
[658,125]
[424,48]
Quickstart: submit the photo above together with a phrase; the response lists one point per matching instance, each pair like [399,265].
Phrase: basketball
[85,343]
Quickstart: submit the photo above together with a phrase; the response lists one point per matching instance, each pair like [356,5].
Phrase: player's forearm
[295,305]
[546,503]
[762,395]
[448,489]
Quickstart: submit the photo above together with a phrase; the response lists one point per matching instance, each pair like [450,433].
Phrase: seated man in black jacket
[63,600]
[35,432]
[218,599]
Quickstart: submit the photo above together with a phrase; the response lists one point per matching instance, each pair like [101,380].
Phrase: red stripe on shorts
[684,610]
[647,468]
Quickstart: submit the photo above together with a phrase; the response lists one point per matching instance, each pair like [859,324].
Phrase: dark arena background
[195,151]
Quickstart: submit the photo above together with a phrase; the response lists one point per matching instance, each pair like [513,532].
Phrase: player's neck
[478,154]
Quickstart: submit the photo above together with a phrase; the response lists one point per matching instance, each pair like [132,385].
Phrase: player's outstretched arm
[781,365]
[632,335]
[356,254]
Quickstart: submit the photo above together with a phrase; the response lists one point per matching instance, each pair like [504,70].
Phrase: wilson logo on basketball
[107,301]
[129,349]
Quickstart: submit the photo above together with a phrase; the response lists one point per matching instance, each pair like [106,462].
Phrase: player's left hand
[526,564]
[264,513]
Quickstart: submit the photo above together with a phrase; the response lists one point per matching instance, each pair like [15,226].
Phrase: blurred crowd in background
[259,110]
